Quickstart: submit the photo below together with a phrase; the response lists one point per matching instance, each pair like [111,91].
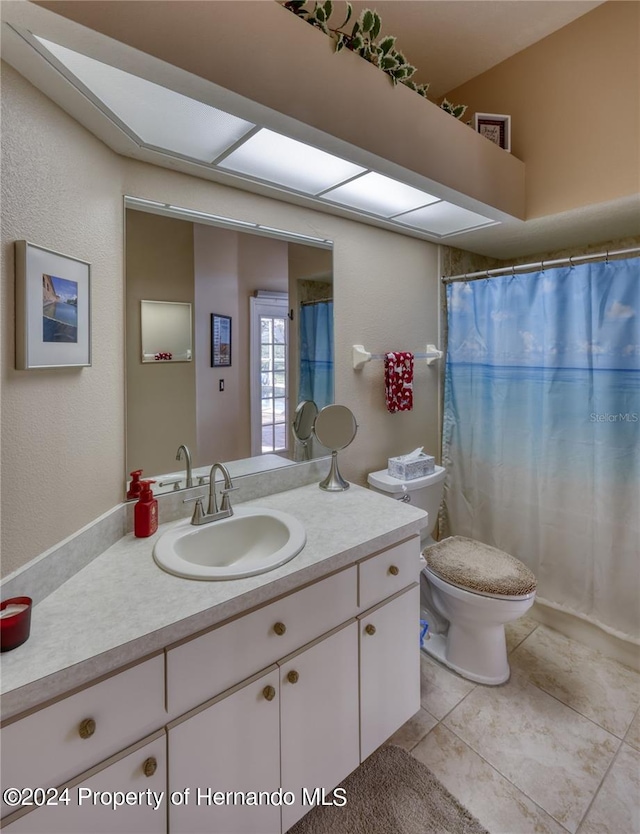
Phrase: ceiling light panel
[379,195]
[158,116]
[269,156]
[443,219]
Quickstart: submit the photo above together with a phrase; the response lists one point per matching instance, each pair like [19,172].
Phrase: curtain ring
[513,270]
[607,257]
[542,265]
[571,263]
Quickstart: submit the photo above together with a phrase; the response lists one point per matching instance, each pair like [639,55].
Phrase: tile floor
[555,749]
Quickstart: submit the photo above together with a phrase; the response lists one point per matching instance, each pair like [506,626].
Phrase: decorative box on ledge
[408,467]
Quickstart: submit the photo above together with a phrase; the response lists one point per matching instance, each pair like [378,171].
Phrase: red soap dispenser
[134,486]
[145,513]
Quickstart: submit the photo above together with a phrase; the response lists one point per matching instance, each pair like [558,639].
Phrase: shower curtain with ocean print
[316,352]
[541,434]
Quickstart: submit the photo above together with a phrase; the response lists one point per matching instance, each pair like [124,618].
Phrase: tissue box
[407,470]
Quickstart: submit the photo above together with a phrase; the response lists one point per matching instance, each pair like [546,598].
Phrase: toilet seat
[480,569]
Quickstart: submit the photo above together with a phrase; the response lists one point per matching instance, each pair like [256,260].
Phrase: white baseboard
[588,633]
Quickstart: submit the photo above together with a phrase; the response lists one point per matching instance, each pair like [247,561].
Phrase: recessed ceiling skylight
[158,116]
[269,156]
[379,195]
[443,219]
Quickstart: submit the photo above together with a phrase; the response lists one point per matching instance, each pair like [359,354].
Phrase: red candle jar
[15,627]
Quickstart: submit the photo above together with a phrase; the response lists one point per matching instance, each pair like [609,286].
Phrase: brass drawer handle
[370,629]
[150,766]
[394,570]
[293,676]
[280,629]
[87,728]
[269,693]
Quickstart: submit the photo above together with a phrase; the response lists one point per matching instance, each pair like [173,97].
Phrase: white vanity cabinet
[141,770]
[292,695]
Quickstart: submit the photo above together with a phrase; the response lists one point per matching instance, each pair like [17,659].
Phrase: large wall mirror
[262,345]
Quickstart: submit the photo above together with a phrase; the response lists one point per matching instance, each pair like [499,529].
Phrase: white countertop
[122,606]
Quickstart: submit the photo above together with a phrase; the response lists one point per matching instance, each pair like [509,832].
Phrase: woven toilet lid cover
[479,567]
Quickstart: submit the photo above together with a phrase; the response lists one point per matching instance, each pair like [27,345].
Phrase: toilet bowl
[477,589]
[469,591]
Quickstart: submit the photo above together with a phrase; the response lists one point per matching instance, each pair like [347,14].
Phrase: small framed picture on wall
[220,341]
[53,309]
[495,128]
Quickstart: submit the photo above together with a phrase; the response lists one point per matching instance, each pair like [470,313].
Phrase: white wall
[63,432]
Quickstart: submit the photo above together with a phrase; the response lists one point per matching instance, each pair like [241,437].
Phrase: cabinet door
[319,718]
[389,668]
[231,744]
[142,772]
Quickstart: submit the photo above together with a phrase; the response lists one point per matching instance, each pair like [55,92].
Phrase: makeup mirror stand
[334,482]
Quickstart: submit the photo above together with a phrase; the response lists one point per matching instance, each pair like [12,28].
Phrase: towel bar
[362,356]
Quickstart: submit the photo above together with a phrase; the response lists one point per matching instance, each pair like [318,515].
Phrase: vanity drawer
[209,664]
[384,574]
[53,744]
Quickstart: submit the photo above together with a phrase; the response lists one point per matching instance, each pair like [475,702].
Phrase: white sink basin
[253,540]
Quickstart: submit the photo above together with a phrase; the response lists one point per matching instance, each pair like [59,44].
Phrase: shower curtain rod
[506,270]
[317,301]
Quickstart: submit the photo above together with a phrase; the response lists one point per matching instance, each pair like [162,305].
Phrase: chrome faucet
[187,456]
[214,513]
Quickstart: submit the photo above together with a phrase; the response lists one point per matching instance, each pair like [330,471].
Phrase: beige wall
[63,189]
[574,101]
[230,266]
[216,276]
[161,397]
[62,430]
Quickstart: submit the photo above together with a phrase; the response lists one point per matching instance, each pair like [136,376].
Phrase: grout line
[517,646]
[597,790]
[630,743]
[569,706]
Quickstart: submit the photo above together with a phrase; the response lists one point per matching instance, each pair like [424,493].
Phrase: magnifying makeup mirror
[303,422]
[335,427]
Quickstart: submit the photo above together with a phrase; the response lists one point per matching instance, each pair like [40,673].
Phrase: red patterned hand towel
[398,381]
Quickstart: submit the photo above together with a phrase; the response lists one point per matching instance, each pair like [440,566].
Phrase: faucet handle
[226,503]
[198,510]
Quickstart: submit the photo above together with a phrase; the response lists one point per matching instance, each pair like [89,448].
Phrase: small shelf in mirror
[166,331]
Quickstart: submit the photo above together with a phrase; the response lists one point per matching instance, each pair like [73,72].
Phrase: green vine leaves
[365,41]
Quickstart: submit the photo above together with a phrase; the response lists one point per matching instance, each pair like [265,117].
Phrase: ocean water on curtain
[542,430]
[568,419]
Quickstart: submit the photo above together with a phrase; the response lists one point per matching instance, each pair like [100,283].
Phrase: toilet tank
[424,493]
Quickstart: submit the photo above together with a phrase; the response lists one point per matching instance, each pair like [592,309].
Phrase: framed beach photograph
[495,128]
[53,309]
[220,341]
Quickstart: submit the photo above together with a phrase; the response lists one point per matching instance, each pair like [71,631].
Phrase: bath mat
[391,793]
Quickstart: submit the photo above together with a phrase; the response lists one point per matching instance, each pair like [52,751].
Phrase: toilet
[469,590]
